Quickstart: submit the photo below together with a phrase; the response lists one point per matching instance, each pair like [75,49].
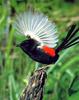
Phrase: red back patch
[49,51]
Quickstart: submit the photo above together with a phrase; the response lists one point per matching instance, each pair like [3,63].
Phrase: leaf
[74,87]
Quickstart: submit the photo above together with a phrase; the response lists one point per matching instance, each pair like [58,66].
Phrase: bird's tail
[71,38]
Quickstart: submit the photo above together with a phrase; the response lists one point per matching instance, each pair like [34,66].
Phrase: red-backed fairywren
[43,37]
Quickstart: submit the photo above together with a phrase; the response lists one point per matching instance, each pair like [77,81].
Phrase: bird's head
[29,44]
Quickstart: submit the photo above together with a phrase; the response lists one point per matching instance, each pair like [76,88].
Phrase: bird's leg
[44,67]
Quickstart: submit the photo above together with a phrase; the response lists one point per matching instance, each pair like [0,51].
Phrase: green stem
[69,64]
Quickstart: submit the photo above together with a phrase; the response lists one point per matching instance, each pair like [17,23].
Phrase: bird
[42,37]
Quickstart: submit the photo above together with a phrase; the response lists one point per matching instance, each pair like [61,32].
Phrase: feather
[38,27]
[71,38]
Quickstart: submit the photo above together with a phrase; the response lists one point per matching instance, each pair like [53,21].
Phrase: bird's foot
[43,68]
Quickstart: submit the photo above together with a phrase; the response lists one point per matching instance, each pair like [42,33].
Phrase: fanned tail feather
[38,27]
[71,38]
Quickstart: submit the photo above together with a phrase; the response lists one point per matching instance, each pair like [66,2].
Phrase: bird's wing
[38,27]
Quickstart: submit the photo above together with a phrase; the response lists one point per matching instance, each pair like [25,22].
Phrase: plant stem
[34,90]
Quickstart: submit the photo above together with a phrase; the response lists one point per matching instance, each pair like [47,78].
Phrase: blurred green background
[16,67]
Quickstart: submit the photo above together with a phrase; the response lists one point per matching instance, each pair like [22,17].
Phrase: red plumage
[49,51]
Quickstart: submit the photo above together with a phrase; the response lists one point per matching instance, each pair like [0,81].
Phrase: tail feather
[71,38]
[75,40]
[70,32]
